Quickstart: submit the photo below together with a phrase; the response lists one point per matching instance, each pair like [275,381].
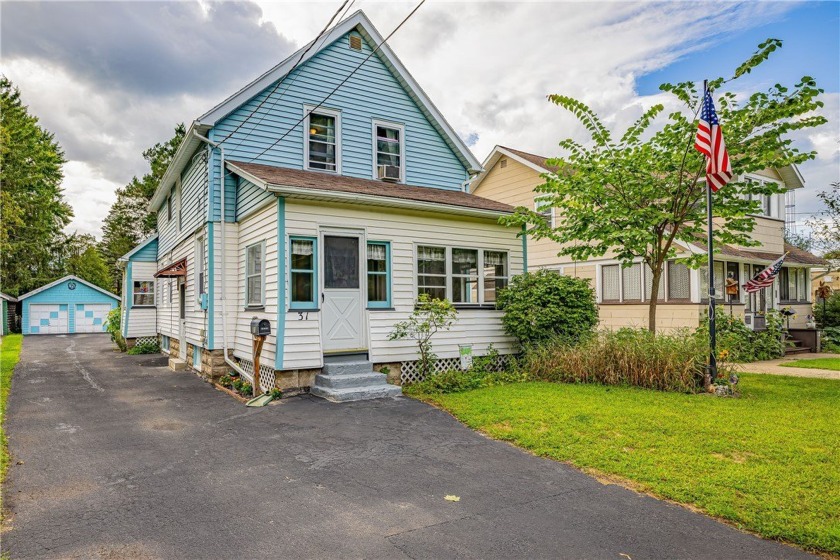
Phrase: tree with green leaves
[825,230]
[129,221]
[640,195]
[78,254]
[430,315]
[33,211]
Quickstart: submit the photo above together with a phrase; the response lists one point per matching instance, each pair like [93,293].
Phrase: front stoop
[352,381]
[177,364]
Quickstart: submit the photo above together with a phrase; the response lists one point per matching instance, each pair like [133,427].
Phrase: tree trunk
[653,295]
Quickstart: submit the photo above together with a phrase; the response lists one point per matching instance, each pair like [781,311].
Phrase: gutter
[228,361]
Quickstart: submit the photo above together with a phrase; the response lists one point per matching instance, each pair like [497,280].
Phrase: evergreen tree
[33,211]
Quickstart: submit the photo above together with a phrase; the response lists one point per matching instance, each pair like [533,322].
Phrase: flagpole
[711,371]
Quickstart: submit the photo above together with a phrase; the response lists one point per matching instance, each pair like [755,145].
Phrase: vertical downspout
[228,361]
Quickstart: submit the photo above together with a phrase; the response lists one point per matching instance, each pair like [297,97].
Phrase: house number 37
[303,316]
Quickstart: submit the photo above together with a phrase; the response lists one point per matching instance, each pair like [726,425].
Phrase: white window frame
[774,209]
[388,124]
[308,110]
[448,267]
[261,303]
[134,294]
[551,217]
[199,267]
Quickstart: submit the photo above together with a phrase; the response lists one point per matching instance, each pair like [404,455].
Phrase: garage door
[48,318]
[90,317]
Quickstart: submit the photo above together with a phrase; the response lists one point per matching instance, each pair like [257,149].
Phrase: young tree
[429,317]
[129,221]
[643,193]
[33,211]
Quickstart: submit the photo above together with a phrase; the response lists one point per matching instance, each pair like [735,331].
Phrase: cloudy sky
[113,78]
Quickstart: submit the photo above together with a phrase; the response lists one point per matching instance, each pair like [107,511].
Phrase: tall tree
[826,229]
[129,221]
[33,211]
[638,196]
[78,254]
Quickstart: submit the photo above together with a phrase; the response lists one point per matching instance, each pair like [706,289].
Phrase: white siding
[167,296]
[142,321]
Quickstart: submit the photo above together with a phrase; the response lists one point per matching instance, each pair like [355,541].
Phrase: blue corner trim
[211,284]
[281,283]
[129,289]
[524,250]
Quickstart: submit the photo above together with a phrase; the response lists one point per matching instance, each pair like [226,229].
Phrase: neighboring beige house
[829,275]
[623,294]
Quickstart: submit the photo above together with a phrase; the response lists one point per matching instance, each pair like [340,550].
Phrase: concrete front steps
[352,381]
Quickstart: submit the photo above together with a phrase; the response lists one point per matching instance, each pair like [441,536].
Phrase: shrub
[429,317]
[544,305]
[485,372]
[830,317]
[831,339]
[741,343]
[113,327]
[145,348]
[673,362]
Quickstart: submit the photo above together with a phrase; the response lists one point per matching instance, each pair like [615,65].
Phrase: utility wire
[344,81]
[280,81]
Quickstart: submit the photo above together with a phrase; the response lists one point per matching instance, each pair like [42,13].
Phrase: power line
[344,81]
[281,80]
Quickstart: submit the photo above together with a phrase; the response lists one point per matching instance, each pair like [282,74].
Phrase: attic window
[355,42]
[503,163]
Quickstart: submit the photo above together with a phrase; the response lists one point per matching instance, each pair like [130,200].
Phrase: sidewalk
[773,367]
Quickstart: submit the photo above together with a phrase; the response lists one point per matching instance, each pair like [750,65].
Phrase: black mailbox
[260,327]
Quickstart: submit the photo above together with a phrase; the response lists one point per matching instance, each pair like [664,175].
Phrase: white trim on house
[68,277]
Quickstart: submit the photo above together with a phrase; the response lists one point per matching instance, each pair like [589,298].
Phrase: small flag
[765,278]
[710,143]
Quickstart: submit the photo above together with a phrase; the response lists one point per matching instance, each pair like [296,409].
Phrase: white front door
[91,317]
[341,299]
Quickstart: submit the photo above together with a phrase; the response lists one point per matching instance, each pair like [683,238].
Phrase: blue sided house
[323,197]
[68,305]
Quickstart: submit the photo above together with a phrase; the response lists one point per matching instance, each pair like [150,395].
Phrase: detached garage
[68,305]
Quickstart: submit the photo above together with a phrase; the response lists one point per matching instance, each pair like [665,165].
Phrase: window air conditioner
[390,173]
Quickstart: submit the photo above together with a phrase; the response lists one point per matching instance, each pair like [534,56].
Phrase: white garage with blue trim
[68,305]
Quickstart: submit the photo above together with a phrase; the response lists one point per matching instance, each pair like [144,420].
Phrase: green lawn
[9,356]
[816,363]
[769,461]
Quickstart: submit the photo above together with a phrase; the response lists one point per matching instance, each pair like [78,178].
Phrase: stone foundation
[393,371]
[213,364]
[296,379]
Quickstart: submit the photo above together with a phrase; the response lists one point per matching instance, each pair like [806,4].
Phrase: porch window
[388,144]
[303,258]
[254,275]
[660,295]
[610,283]
[379,274]
[322,150]
[793,284]
[802,284]
[143,293]
[431,271]
[464,276]
[679,282]
[733,271]
[631,279]
[720,282]
[495,274]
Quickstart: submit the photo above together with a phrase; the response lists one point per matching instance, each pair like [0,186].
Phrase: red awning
[174,270]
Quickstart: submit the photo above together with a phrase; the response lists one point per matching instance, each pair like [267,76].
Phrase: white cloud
[90,194]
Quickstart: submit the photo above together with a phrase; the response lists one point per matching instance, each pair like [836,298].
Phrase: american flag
[765,278]
[710,143]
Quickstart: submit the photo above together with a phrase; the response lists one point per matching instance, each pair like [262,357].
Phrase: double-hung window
[378,274]
[465,276]
[255,275]
[322,149]
[169,208]
[542,206]
[143,293]
[199,268]
[388,151]
[793,284]
[302,259]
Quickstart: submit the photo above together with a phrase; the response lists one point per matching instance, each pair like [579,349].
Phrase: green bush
[486,371]
[113,327]
[544,305]
[831,339]
[145,348]
[831,316]
[742,344]
[637,357]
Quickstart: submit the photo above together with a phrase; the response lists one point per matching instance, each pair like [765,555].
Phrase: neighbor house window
[465,276]
[660,296]
[302,261]
[379,274]
[199,268]
[679,282]
[143,293]
[631,282]
[610,282]
[254,275]
[495,274]
[793,284]
[542,206]
[388,151]
[322,148]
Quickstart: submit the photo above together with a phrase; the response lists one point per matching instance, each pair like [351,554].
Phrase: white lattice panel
[410,371]
[145,340]
[267,377]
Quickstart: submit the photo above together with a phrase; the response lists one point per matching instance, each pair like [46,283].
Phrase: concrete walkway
[114,456]
[773,367]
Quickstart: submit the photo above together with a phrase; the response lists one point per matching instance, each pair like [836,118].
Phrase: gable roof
[296,183]
[66,278]
[7,297]
[142,244]
[535,162]
[358,22]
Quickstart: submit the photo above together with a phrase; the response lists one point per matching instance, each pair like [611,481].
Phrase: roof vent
[503,163]
[355,42]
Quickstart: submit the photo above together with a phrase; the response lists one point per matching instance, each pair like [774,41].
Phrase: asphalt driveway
[122,458]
